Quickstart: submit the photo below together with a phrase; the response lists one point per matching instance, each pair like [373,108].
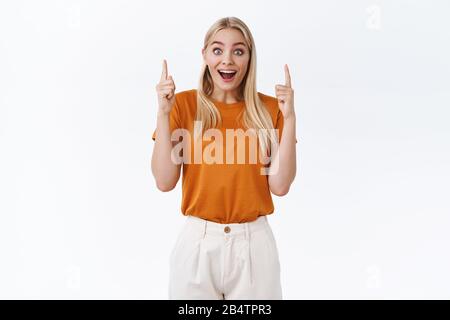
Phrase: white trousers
[225,261]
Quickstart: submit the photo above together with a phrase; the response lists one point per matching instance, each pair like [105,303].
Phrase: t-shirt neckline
[227,105]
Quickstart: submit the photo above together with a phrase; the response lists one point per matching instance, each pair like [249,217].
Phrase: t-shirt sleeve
[174,119]
[279,125]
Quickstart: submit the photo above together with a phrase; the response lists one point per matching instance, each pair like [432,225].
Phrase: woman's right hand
[166,91]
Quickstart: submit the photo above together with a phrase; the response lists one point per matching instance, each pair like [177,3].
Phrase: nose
[227,63]
[227,59]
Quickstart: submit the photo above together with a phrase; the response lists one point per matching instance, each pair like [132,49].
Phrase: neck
[226,97]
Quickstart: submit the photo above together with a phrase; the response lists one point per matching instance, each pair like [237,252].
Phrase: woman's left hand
[285,95]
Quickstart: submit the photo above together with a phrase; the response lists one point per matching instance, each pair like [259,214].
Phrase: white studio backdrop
[367,216]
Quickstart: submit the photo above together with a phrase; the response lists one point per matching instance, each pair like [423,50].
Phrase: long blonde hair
[255,114]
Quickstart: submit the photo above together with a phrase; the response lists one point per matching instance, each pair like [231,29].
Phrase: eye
[241,52]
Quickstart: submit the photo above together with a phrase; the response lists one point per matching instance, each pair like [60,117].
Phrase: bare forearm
[165,171]
[284,163]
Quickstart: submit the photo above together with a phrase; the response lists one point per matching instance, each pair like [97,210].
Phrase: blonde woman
[226,248]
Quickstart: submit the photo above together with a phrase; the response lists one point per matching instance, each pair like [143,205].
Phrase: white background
[367,216]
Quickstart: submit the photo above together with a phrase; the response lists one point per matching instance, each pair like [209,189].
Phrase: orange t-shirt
[223,192]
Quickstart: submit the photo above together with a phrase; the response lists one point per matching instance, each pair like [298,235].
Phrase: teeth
[227,71]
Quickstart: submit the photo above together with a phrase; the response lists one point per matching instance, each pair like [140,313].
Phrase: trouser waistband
[227,229]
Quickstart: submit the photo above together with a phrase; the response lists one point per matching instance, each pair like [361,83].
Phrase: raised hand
[165,90]
[285,95]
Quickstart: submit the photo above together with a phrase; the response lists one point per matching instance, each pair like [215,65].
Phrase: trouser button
[227,229]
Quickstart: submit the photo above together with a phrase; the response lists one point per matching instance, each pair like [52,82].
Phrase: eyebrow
[221,43]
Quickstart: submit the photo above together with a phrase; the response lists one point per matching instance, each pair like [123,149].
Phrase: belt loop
[204,229]
[247,233]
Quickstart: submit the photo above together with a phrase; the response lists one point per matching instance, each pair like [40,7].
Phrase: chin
[225,86]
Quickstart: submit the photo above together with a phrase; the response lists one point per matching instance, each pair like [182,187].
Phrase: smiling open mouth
[227,75]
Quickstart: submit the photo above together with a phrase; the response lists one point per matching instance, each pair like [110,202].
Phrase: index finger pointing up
[164,71]
[287,76]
